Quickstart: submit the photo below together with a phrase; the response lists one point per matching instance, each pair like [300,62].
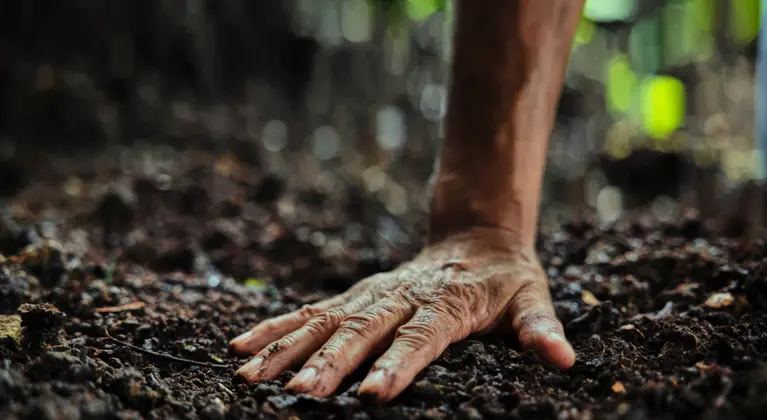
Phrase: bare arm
[508,70]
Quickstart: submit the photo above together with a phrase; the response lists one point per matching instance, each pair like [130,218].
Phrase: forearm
[509,62]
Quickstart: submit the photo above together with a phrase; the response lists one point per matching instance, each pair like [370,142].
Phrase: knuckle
[410,343]
[469,293]
[417,333]
[324,321]
[426,295]
[308,311]
[334,316]
[327,354]
[457,305]
[404,295]
[316,326]
[455,314]
[369,323]
[361,325]
[393,309]
[280,345]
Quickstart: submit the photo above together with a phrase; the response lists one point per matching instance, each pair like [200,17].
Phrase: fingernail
[250,369]
[373,383]
[303,379]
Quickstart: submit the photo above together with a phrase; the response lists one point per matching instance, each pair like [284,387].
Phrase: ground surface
[667,322]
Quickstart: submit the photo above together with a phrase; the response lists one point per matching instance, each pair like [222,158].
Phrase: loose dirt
[119,293]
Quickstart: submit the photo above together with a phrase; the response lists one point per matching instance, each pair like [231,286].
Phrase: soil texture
[119,293]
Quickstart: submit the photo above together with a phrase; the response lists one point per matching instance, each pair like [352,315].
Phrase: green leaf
[422,9]
[620,84]
[254,283]
[663,100]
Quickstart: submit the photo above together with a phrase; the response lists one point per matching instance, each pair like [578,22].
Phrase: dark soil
[119,293]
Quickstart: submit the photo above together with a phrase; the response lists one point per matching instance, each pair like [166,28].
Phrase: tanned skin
[479,271]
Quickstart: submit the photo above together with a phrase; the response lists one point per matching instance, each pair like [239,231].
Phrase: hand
[469,283]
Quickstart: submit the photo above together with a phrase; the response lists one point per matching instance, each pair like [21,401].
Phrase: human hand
[470,283]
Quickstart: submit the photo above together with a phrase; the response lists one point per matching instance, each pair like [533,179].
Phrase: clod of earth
[42,324]
[10,331]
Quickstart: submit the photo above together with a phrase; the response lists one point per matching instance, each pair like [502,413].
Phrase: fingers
[357,337]
[298,345]
[416,344]
[272,329]
[539,329]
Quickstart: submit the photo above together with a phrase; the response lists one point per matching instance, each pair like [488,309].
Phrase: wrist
[457,207]
[484,240]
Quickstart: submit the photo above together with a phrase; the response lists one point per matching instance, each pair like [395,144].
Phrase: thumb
[533,318]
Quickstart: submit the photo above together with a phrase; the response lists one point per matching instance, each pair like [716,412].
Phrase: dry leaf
[632,328]
[720,300]
[618,387]
[686,288]
[226,165]
[589,298]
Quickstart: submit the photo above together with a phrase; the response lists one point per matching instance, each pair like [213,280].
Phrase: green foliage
[620,84]
[744,20]
[417,10]
[422,9]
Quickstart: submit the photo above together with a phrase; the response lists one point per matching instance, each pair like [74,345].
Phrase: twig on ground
[161,355]
[121,308]
[226,390]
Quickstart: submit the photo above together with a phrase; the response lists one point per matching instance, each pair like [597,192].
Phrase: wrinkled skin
[468,283]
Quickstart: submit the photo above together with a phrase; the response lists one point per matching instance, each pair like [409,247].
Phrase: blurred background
[346,97]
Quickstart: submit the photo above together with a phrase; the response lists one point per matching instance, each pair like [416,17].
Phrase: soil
[119,293]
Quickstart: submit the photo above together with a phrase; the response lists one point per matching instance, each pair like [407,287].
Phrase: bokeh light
[361,86]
